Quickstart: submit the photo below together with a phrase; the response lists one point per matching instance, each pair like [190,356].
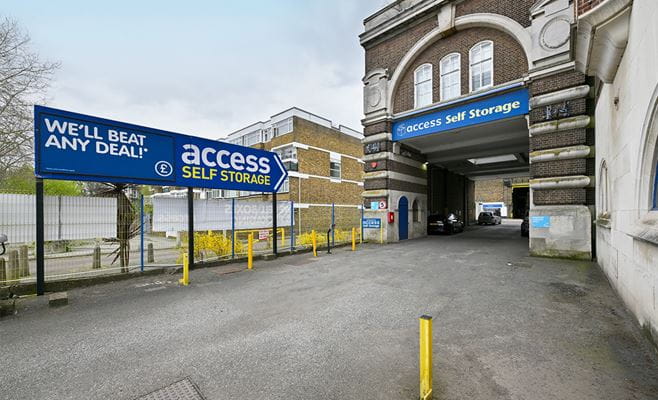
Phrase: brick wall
[314,161]
[586,5]
[510,63]
[518,10]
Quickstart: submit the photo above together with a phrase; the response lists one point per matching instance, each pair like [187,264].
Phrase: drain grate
[181,390]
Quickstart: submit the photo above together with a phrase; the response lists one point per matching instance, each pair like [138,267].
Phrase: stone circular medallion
[555,33]
[374,96]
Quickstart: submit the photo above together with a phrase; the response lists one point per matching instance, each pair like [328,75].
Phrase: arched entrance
[403,213]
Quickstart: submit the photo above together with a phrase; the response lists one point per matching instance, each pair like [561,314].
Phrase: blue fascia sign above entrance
[74,146]
[507,105]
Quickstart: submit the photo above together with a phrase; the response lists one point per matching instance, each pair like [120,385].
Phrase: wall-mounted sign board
[506,105]
[74,146]
[542,221]
[372,223]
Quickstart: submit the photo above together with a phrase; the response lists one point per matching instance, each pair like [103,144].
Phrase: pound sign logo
[163,168]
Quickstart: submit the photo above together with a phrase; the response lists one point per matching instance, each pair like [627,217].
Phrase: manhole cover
[181,390]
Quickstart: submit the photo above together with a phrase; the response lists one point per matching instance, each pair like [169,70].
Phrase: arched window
[450,68]
[481,65]
[423,86]
[604,192]
[415,209]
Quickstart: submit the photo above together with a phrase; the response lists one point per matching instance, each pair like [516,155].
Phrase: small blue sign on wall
[74,146]
[372,223]
[543,221]
[507,105]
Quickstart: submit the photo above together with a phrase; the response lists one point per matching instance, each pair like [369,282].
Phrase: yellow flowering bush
[211,244]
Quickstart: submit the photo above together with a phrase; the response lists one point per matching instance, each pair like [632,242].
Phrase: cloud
[211,79]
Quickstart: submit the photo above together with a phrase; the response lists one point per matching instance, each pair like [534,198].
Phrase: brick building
[457,91]
[587,137]
[324,163]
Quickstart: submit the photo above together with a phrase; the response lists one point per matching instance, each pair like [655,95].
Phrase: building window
[604,191]
[285,187]
[423,86]
[288,157]
[282,127]
[450,76]
[415,211]
[267,134]
[252,138]
[334,165]
[481,65]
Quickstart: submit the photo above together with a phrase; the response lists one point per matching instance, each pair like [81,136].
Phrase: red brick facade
[586,5]
[510,63]
[518,10]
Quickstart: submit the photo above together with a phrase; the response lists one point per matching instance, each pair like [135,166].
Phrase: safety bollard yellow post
[425,357]
[250,252]
[185,280]
[353,239]
[283,237]
[315,243]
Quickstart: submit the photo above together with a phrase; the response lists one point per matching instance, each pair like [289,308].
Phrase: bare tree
[128,222]
[24,79]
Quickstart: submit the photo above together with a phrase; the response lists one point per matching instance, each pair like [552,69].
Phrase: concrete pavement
[344,326]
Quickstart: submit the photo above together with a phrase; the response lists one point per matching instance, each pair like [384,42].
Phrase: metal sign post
[190,226]
[41,282]
[274,226]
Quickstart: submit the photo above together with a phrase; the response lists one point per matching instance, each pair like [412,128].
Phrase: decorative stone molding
[375,193]
[375,93]
[377,138]
[602,35]
[577,92]
[564,182]
[394,175]
[551,32]
[563,153]
[564,124]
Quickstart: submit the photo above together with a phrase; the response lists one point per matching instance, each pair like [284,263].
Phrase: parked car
[525,227]
[439,223]
[489,218]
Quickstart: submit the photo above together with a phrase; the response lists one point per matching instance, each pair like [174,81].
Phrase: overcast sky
[204,68]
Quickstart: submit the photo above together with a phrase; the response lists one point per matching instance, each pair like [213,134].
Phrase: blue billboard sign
[372,223]
[80,147]
[507,105]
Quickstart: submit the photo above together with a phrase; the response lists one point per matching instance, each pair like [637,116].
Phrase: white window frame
[480,63]
[285,186]
[286,124]
[335,158]
[443,74]
[427,81]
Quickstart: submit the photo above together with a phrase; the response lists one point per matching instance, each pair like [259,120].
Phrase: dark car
[525,227]
[488,218]
[439,223]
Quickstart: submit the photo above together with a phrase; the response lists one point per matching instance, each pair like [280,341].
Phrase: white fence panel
[65,217]
[170,214]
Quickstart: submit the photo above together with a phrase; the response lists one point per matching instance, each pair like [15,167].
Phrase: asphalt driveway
[343,326]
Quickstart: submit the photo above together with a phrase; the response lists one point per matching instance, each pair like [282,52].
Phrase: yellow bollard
[185,280]
[250,252]
[353,239]
[283,237]
[425,357]
[315,243]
